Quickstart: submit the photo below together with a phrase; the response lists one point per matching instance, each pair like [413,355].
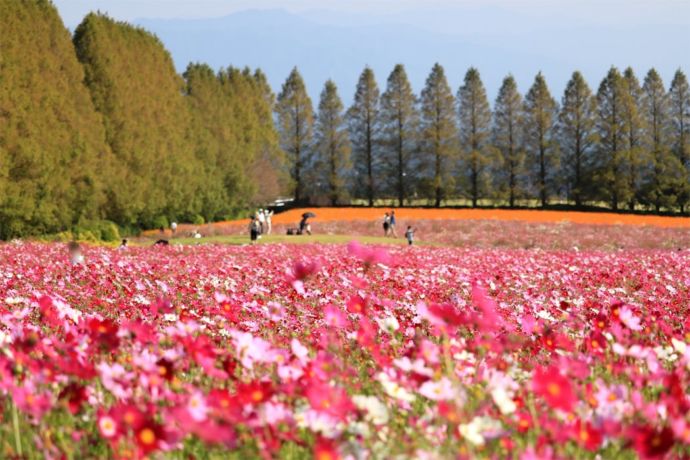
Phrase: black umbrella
[307,215]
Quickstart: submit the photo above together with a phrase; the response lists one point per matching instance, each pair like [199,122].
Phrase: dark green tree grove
[134,86]
[52,141]
[99,125]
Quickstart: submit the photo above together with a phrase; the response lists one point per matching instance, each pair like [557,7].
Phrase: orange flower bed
[526,215]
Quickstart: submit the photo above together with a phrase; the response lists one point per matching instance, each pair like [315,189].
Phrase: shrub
[160,221]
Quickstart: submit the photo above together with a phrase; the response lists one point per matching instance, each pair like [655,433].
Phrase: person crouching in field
[75,255]
[409,234]
[254,229]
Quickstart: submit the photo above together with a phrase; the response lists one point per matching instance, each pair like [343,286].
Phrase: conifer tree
[332,144]
[134,86]
[475,134]
[507,137]
[637,156]
[52,141]
[576,135]
[439,134]
[611,127]
[661,188]
[679,95]
[295,124]
[400,120]
[364,124]
[540,114]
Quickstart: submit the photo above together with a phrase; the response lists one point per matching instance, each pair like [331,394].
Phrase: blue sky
[337,38]
[613,12]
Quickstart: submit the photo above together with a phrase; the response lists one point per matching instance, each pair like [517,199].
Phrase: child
[254,229]
[75,255]
[409,234]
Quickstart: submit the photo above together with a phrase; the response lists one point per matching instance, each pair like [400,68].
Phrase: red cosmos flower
[555,388]
[148,437]
[596,343]
[600,322]
[303,270]
[104,333]
[586,435]
[357,304]
[128,416]
[74,396]
[368,255]
[326,398]
[449,411]
[325,449]
[523,422]
[448,314]
[651,443]
[224,403]
[166,369]
[254,392]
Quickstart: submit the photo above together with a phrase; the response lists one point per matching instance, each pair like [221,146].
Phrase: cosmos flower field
[334,351]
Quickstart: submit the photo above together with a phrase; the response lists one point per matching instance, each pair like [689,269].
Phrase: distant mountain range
[326,45]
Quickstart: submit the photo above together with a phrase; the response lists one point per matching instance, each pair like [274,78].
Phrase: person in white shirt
[173,227]
[262,221]
[267,217]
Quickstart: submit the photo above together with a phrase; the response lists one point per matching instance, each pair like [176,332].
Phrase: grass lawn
[295,239]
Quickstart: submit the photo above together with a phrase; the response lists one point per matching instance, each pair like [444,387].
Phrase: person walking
[254,230]
[267,218]
[386,224]
[173,227]
[392,224]
[409,234]
[262,222]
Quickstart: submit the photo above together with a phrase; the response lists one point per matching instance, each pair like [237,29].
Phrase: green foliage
[577,137]
[477,156]
[399,136]
[439,132]
[540,116]
[508,139]
[198,220]
[363,119]
[332,145]
[52,141]
[295,124]
[134,85]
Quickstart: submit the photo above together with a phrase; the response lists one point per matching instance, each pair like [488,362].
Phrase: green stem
[17,435]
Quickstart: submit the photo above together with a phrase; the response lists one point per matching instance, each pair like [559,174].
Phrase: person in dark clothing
[409,234]
[391,224]
[254,229]
[304,226]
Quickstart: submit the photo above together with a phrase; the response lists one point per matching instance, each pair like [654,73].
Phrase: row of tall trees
[99,125]
[627,145]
